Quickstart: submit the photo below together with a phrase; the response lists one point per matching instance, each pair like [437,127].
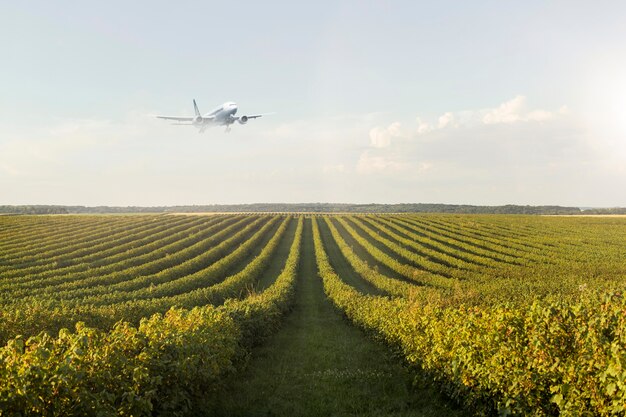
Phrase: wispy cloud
[381,137]
[510,152]
[514,110]
[511,111]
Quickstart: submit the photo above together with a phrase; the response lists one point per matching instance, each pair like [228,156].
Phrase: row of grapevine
[562,358]
[92,255]
[200,271]
[533,246]
[465,238]
[45,229]
[38,250]
[30,314]
[184,289]
[165,365]
[389,285]
[472,247]
[456,255]
[100,231]
[506,318]
[411,257]
[410,272]
[188,247]
[154,251]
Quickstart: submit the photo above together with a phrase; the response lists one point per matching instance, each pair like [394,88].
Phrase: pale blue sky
[485,102]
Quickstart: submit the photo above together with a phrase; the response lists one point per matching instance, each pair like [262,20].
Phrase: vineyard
[163,314]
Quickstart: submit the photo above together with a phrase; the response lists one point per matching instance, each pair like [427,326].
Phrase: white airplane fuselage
[224,115]
[221,116]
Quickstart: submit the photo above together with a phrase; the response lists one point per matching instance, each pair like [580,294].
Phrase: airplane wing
[253,116]
[178,119]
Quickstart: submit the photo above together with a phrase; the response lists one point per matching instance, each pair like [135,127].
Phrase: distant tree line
[313,208]
[613,210]
[33,210]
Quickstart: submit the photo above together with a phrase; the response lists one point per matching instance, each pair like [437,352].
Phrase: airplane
[224,115]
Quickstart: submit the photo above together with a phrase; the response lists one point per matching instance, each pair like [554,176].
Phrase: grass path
[318,364]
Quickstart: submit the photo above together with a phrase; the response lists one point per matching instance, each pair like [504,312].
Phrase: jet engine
[197,120]
[243,120]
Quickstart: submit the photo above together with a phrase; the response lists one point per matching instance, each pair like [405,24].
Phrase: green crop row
[39,231]
[75,261]
[79,246]
[417,259]
[515,315]
[33,252]
[474,234]
[188,275]
[412,273]
[165,366]
[157,368]
[391,286]
[456,242]
[426,248]
[545,359]
[29,315]
[185,250]
[455,256]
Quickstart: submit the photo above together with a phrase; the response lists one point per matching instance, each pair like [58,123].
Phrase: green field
[285,315]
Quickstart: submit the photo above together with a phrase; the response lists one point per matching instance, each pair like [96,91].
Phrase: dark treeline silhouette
[313,208]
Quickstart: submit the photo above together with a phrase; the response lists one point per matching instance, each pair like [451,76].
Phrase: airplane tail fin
[195,108]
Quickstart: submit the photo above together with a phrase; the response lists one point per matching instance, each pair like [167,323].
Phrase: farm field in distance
[312,314]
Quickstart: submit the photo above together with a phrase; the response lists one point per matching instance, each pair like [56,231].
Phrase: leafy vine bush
[159,367]
[259,314]
[162,367]
[138,243]
[524,336]
[547,359]
[391,286]
[167,255]
[51,314]
[550,358]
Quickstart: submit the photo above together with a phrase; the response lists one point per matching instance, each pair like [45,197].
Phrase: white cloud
[381,137]
[514,110]
[507,112]
[510,111]
[506,154]
[423,127]
[544,156]
[445,120]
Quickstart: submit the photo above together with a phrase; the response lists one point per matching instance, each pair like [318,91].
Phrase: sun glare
[605,109]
